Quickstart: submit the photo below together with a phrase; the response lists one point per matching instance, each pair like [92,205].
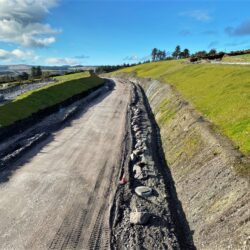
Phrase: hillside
[220,92]
[240,58]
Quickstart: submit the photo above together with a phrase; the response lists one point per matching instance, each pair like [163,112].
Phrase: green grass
[72,76]
[166,113]
[239,58]
[220,92]
[33,101]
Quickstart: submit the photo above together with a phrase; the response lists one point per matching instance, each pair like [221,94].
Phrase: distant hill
[19,68]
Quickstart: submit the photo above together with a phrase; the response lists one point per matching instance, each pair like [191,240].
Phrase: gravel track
[58,195]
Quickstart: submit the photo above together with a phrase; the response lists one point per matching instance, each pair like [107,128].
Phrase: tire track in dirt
[68,235]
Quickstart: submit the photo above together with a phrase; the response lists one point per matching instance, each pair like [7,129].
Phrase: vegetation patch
[165,113]
[238,58]
[33,101]
[75,76]
[220,92]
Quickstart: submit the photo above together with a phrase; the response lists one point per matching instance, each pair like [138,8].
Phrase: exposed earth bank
[206,169]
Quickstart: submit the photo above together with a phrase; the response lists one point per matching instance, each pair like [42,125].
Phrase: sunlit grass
[239,58]
[220,92]
[72,76]
[33,101]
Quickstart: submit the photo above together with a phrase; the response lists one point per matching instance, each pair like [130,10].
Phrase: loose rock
[143,191]
[140,218]
[137,172]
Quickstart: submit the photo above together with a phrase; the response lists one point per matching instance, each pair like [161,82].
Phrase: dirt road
[60,194]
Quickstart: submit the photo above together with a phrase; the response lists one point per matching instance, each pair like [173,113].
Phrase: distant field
[33,101]
[220,92]
[240,58]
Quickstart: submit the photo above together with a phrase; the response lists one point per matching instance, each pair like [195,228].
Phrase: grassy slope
[240,58]
[33,101]
[72,76]
[220,92]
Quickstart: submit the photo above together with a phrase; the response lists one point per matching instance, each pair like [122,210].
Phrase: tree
[33,71]
[23,76]
[212,52]
[36,72]
[186,53]
[154,54]
[161,54]
[176,53]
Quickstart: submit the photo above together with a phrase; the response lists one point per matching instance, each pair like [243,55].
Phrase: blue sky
[57,32]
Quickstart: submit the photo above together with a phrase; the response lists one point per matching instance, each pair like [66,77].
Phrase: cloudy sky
[94,32]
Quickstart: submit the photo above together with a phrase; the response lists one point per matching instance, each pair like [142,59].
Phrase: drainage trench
[143,212]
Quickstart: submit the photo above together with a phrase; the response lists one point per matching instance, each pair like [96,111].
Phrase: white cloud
[21,22]
[137,58]
[16,55]
[199,15]
[131,58]
[61,61]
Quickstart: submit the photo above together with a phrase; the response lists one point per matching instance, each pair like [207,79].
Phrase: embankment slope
[210,173]
[33,101]
[220,92]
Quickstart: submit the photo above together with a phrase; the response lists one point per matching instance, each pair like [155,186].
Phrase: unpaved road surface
[59,194]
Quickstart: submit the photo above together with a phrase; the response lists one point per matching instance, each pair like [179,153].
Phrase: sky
[102,32]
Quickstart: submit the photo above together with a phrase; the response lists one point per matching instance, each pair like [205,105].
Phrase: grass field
[240,58]
[72,76]
[33,101]
[220,92]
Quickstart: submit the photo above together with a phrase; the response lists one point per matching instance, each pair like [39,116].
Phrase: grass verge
[33,101]
[220,92]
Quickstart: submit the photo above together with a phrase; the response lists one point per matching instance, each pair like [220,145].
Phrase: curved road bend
[59,198]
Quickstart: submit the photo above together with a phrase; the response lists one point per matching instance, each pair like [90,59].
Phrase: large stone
[136,152]
[144,159]
[139,218]
[136,128]
[143,191]
[132,157]
[137,172]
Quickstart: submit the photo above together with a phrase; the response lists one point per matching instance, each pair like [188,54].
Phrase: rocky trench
[146,212]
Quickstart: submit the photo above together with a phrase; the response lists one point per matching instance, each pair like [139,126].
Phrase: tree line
[35,73]
[178,53]
[159,55]
[110,68]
